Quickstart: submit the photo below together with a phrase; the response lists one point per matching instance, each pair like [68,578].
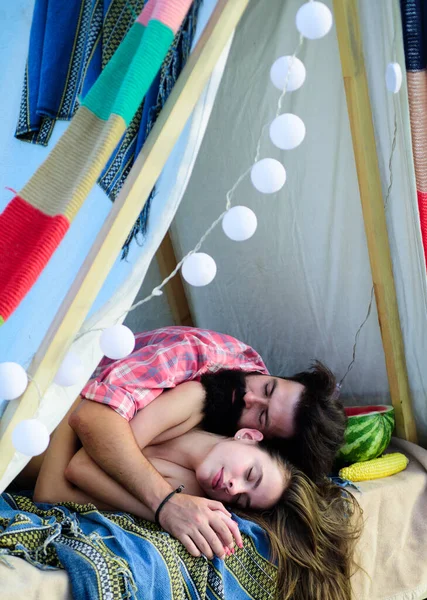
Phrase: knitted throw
[414,29]
[36,220]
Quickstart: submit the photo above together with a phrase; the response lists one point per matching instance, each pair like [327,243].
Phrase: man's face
[235,400]
[269,405]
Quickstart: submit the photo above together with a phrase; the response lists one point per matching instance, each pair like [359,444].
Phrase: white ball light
[30,437]
[199,269]
[239,223]
[268,175]
[287,131]
[117,341]
[13,380]
[70,370]
[279,73]
[314,20]
[393,77]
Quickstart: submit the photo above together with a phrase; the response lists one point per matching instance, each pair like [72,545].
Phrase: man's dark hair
[319,422]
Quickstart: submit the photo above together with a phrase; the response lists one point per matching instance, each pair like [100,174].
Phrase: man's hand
[204,526]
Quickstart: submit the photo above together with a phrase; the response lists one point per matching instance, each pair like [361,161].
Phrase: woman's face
[239,472]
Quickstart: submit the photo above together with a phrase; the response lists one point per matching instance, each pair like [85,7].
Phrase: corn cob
[386,465]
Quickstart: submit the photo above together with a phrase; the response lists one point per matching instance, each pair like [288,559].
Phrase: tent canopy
[301,287]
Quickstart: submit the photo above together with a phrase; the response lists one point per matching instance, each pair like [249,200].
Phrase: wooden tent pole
[175,292]
[362,131]
[124,212]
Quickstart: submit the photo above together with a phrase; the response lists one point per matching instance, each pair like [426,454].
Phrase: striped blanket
[111,556]
[414,27]
[70,44]
[36,220]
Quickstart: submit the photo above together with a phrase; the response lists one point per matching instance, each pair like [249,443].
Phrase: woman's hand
[204,526]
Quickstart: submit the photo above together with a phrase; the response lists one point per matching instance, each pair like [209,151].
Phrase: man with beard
[198,377]
[301,415]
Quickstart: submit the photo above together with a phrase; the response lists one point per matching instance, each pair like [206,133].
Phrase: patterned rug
[111,556]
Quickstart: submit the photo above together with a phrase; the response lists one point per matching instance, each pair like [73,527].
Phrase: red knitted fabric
[422,208]
[22,263]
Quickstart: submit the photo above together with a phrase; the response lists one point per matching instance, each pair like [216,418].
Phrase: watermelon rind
[367,435]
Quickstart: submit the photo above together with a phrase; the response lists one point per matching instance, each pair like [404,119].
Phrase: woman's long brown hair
[312,532]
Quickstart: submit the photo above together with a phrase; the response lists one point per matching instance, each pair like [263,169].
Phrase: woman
[310,532]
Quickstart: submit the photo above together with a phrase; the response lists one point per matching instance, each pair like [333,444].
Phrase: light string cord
[157,291]
[229,195]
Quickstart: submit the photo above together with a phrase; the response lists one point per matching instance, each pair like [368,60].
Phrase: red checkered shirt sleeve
[162,359]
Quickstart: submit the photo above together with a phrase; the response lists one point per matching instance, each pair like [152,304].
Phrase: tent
[301,288]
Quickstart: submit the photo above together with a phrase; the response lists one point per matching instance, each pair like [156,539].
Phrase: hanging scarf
[36,220]
[70,43]
[414,27]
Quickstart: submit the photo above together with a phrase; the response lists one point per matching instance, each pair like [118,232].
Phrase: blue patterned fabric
[64,60]
[121,162]
[112,556]
[70,44]
[345,483]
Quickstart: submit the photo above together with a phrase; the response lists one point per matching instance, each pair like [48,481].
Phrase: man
[301,415]
[232,389]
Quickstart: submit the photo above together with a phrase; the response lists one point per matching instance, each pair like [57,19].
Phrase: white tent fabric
[170,189]
[300,288]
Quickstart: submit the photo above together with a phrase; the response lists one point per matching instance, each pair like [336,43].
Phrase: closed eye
[270,387]
[263,418]
[249,473]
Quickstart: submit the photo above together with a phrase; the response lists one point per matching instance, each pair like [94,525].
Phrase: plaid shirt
[163,359]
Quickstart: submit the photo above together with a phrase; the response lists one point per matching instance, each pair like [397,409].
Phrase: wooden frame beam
[365,154]
[124,212]
[175,292]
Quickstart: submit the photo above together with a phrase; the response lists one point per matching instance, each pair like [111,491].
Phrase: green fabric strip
[146,62]
[101,97]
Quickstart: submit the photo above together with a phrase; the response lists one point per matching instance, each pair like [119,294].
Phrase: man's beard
[221,413]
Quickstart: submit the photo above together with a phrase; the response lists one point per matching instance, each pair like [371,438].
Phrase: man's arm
[90,478]
[165,418]
[109,440]
[84,473]
[115,444]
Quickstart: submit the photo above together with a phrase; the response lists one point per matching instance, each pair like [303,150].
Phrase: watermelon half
[367,434]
